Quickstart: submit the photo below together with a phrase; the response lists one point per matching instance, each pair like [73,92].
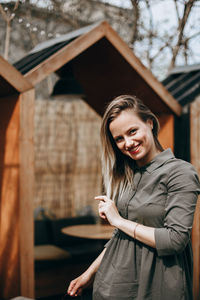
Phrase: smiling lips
[134,149]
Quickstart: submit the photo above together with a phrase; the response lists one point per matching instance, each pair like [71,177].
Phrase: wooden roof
[103,64]
[184,83]
[11,80]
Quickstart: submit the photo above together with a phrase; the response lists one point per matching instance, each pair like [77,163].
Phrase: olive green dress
[164,196]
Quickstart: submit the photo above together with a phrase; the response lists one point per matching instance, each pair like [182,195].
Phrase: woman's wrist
[119,222]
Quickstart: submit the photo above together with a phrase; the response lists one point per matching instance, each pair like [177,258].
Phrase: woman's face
[134,137]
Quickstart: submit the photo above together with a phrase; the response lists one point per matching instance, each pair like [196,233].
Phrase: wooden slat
[26,193]
[9,203]
[195,160]
[13,77]
[64,55]
[146,74]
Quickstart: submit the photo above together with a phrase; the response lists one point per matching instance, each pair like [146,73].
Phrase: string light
[31,27]
[34,28]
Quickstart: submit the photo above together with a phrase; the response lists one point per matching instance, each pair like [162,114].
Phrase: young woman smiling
[150,197]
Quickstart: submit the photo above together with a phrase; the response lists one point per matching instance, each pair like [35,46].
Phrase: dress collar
[157,161]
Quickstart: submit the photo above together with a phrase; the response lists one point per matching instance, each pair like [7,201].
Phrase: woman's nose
[128,143]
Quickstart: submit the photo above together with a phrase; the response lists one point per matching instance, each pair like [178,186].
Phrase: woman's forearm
[77,285]
[95,265]
[108,209]
[140,232]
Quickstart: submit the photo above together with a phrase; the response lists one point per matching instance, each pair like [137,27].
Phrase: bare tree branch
[8,19]
[182,22]
[136,16]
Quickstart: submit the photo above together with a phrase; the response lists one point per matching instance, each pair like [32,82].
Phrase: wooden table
[90,231]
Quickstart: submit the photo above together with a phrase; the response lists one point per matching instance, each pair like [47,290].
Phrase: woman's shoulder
[182,173]
[179,165]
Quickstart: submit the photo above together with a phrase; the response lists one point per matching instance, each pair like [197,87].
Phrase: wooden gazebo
[105,67]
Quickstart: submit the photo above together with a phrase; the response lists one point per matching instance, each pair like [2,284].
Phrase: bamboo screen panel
[67,155]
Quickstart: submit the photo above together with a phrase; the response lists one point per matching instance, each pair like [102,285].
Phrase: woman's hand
[78,284]
[108,210]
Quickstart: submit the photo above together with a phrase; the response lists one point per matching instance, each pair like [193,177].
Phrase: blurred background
[165,37]
[162,34]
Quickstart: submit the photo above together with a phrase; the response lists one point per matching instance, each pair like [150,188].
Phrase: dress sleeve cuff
[162,240]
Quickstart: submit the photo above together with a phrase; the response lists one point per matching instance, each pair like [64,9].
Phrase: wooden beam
[195,160]
[146,74]
[64,55]
[13,77]
[26,194]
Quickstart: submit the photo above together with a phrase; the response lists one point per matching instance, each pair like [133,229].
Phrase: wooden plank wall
[9,205]
[166,134]
[16,202]
[195,160]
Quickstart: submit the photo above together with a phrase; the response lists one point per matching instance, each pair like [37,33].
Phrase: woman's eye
[118,139]
[132,131]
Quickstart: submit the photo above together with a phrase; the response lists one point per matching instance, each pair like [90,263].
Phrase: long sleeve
[183,188]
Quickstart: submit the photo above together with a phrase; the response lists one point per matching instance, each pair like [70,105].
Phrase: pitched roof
[184,83]
[103,64]
[46,49]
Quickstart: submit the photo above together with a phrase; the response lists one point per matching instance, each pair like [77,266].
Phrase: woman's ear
[150,123]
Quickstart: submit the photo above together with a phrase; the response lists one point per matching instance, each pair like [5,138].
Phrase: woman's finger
[101,204]
[76,289]
[71,286]
[78,292]
[102,215]
[102,198]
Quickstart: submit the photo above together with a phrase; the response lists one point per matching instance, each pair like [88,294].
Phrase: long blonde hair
[117,168]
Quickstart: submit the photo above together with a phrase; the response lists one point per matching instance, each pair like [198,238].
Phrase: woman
[153,201]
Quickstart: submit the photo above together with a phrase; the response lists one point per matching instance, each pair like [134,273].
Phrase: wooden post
[195,160]
[16,190]
[26,224]
[9,203]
